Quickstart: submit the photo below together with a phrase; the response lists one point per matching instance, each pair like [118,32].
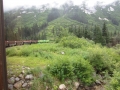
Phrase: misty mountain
[40,23]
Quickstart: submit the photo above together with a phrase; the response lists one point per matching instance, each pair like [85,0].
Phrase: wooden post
[3,70]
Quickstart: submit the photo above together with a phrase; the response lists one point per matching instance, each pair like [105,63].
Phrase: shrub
[13,51]
[74,42]
[115,82]
[77,69]
[25,52]
[83,71]
[101,59]
[61,69]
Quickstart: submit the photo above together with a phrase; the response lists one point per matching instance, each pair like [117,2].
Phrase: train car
[19,43]
[34,41]
[10,43]
[27,42]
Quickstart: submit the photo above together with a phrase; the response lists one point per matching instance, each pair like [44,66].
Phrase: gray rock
[98,82]
[11,80]
[18,85]
[10,86]
[17,79]
[76,84]
[21,76]
[62,87]
[22,81]
[30,83]
[29,77]
[24,85]
[23,72]
[47,88]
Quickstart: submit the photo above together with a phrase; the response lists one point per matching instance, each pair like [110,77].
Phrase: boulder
[30,83]
[17,79]
[24,85]
[23,72]
[62,87]
[18,85]
[10,86]
[29,77]
[76,84]
[21,76]
[11,80]
[98,82]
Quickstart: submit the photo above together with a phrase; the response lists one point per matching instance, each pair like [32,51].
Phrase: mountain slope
[39,22]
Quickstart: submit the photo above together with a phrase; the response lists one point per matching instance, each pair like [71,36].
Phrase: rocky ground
[25,81]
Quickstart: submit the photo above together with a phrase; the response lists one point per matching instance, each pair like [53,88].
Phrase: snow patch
[24,12]
[111,9]
[103,19]
[18,16]
[30,12]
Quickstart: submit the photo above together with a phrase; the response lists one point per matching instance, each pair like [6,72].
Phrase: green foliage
[83,71]
[44,79]
[74,42]
[35,72]
[105,33]
[114,82]
[77,69]
[101,59]
[54,14]
[34,23]
[26,51]
[81,57]
[61,69]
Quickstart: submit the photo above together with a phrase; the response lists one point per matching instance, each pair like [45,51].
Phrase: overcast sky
[8,4]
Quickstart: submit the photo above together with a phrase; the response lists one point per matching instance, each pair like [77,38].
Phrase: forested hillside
[101,24]
[78,48]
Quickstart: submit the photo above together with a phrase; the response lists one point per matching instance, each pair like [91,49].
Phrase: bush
[101,59]
[74,42]
[115,82]
[83,71]
[77,69]
[61,69]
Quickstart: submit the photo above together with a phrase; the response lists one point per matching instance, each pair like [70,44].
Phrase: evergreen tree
[98,35]
[105,33]
[79,33]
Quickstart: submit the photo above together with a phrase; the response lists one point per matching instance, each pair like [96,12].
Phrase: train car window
[44,43]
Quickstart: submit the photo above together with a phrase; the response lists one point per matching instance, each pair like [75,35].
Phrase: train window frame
[3,67]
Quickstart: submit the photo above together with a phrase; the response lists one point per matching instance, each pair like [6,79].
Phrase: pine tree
[105,33]
[98,35]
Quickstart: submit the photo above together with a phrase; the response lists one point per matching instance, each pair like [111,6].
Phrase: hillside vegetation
[72,59]
[50,23]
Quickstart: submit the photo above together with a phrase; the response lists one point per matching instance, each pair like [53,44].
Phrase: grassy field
[70,59]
